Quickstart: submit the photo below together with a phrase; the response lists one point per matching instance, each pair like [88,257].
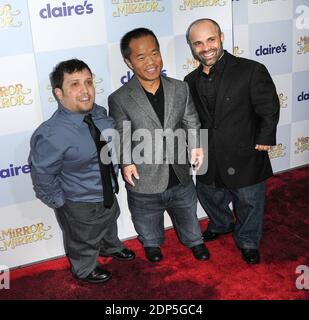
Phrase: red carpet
[180,277]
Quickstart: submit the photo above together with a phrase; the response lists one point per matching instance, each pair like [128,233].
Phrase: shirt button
[228,99]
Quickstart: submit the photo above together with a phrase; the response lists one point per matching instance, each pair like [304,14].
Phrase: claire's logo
[128,76]
[303,96]
[13,171]
[264,51]
[66,10]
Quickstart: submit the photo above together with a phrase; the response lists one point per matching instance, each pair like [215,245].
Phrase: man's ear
[222,37]
[58,93]
[128,63]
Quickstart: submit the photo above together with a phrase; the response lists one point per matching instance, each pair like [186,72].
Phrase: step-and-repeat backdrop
[276,33]
[36,35]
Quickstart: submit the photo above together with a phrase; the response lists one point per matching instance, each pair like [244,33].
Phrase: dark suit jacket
[246,114]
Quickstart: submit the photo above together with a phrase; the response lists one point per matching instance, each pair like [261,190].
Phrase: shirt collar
[76,117]
[158,92]
[219,65]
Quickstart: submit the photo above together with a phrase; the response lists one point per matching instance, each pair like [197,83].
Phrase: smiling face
[206,43]
[77,93]
[145,59]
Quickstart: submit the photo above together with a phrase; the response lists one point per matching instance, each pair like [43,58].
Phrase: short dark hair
[134,34]
[68,66]
[196,22]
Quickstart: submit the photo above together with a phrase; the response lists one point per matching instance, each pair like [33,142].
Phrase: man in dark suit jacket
[151,103]
[237,102]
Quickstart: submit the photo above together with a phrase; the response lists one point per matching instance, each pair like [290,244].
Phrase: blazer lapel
[142,102]
[169,95]
[197,93]
[229,74]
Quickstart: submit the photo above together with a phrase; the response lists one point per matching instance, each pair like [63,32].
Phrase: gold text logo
[14,95]
[193,4]
[7,17]
[283,100]
[190,65]
[277,151]
[130,7]
[303,45]
[12,238]
[301,145]
[237,51]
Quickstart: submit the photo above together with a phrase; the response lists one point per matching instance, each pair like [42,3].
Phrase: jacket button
[228,99]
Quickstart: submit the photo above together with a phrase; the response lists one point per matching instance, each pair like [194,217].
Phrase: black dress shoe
[251,256]
[98,275]
[209,235]
[153,254]
[200,252]
[123,255]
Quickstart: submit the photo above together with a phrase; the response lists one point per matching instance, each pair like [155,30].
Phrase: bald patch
[207,23]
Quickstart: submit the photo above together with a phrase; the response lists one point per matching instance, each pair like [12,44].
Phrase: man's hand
[197,156]
[261,147]
[128,171]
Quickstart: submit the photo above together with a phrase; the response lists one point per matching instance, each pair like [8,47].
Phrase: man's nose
[84,88]
[149,60]
[205,46]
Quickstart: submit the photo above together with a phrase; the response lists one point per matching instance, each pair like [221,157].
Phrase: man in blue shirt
[66,173]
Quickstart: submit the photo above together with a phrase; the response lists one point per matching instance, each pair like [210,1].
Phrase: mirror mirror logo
[4,277]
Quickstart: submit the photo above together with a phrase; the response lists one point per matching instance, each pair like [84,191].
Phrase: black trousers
[88,230]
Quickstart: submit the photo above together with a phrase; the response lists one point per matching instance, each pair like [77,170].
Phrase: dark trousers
[88,229]
[248,203]
[147,212]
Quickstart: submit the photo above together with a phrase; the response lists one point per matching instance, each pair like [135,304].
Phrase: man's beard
[208,62]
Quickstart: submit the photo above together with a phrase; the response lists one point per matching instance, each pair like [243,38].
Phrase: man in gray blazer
[148,105]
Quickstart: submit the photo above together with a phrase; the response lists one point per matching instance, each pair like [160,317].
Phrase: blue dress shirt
[63,158]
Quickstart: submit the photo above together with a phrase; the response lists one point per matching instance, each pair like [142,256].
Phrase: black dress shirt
[208,85]
[157,102]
